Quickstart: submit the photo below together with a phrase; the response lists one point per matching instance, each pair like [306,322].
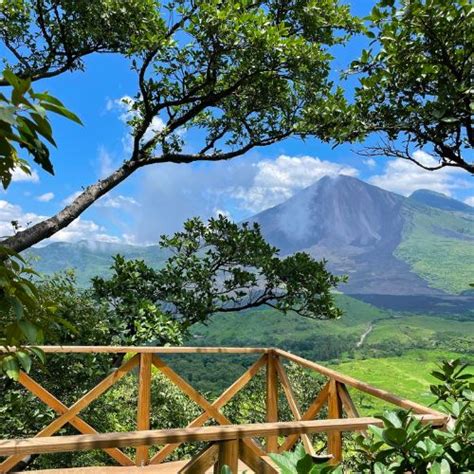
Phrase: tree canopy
[416,84]
[245,74]
[218,266]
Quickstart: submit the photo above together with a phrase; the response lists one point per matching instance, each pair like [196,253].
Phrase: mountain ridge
[388,244]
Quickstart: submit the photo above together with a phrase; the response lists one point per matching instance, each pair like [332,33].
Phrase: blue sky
[157,199]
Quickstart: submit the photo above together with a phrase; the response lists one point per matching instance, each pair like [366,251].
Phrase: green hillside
[90,259]
[398,340]
[439,246]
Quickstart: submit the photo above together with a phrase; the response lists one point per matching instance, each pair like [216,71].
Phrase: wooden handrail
[148,349]
[359,385]
[55,444]
[232,439]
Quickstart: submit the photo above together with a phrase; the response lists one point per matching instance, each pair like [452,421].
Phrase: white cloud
[20,176]
[46,197]
[404,177]
[11,212]
[222,212]
[117,202]
[80,229]
[277,180]
[171,193]
[370,162]
[470,201]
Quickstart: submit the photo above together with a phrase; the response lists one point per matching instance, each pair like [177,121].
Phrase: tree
[416,85]
[214,267]
[24,123]
[245,74]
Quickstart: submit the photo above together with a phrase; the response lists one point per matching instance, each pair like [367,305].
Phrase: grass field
[407,376]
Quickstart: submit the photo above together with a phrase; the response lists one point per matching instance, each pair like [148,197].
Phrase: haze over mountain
[388,244]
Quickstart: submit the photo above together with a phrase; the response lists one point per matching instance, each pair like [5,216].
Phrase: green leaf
[10,367]
[62,111]
[25,360]
[39,353]
[394,436]
[440,467]
[29,330]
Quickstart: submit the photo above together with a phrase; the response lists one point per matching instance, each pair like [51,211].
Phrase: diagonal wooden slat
[224,398]
[310,413]
[49,399]
[196,397]
[292,403]
[347,402]
[202,461]
[74,409]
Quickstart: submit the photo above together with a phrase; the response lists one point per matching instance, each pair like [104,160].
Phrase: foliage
[47,38]
[298,461]
[244,74]
[404,444]
[24,315]
[416,83]
[214,267]
[24,123]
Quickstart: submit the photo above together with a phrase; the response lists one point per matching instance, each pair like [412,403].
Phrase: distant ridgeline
[420,247]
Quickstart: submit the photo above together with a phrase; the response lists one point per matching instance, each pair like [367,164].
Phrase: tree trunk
[42,230]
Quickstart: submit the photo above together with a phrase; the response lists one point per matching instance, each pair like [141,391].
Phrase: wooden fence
[227,442]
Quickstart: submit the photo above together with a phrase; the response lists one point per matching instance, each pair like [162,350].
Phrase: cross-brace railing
[228,442]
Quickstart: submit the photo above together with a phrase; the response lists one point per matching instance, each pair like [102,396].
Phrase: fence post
[143,411]
[228,456]
[334,411]
[272,399]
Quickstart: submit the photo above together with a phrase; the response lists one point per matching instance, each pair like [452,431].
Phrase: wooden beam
[74,409]
[293,404]
[202,461]
[54,444]
[143,409]
[311,412]
[50,400]
[224,398]
[228,456]
[196,397]
[272,399]
[148,349]
[334,412]
[359,385]
[347,402]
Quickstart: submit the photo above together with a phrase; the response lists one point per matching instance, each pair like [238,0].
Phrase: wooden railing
[228,442]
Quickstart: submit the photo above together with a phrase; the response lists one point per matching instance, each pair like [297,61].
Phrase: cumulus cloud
[20,176]
[170,194]
[46,197]
[277,180]
[80,229]
[404,177]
